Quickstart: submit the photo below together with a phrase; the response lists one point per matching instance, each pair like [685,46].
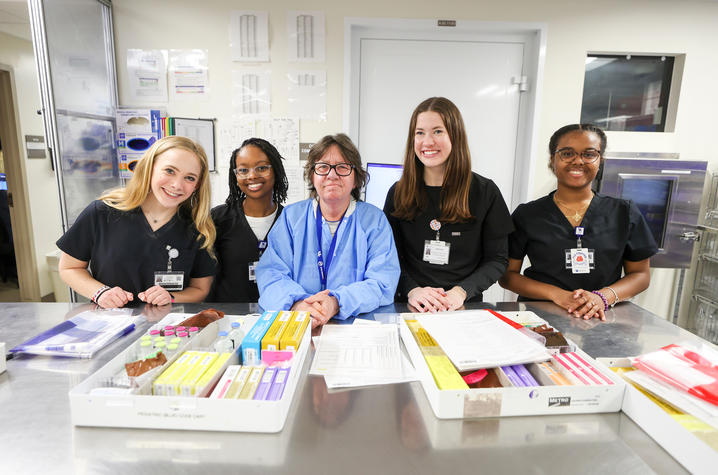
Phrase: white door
[478,76]
[396,75]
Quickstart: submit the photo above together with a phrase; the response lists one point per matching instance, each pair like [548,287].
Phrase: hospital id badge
[579,260]
[437,252]
[252,271]
[170,280]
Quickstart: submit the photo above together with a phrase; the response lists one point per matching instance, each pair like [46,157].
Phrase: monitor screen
[653,197]
[381,177]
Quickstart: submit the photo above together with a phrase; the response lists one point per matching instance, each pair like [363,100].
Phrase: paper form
[283,133]
[295,177]
[147,74]
[188,74]
[250,92]
[249,35]
[306,36]
[359,355]
[477,339]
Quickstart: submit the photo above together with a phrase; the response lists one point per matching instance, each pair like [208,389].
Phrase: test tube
[145,349]
[160,346]
[193,331]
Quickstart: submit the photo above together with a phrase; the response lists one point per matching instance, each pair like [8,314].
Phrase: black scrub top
[237,247]
[479,250]
[123,250]
[614,228]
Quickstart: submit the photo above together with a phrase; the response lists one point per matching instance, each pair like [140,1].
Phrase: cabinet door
[74,51]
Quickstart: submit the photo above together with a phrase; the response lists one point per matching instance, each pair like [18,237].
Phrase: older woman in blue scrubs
[355,269]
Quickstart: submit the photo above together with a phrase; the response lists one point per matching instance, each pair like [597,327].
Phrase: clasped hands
[117,297]
[435,299]
[581,304]
[321,306]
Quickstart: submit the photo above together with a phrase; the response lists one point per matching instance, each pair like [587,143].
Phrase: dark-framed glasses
[260,170]
[569,154]
[342,169]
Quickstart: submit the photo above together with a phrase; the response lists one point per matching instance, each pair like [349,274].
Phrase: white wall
[574,28]
[41,186]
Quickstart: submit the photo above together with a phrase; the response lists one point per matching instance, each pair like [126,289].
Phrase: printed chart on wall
[202,132]
[188,73]
[147,73]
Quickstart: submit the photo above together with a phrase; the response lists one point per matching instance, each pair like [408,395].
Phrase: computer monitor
[381,177]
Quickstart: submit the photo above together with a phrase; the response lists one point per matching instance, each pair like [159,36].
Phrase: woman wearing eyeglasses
[331,255]
[257,187]
[579,242]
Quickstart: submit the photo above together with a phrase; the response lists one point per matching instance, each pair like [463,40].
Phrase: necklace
[577,214]
[150,216]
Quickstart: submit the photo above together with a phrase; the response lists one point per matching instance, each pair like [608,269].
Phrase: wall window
[627,92]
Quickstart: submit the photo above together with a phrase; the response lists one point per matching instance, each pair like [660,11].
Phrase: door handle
[690,236]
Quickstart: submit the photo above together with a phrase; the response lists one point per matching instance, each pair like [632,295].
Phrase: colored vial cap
[236,324]
[172,347]
[180,329]
[154,332]
[176,340]
[160,344]
[169,327]
[182,334]
[169,333]
[193,329]
[145,338]
[145,344]
[222,333]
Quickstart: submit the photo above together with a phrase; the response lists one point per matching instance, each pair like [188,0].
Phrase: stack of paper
[684,375]
[82,335]
[360,355]
[478,339]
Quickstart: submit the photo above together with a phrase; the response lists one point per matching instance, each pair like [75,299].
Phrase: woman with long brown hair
[151,239]
[450,224]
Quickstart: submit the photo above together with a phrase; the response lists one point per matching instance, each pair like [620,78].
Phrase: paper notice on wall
[283,133]
[295,176]
[307,94]
[305,33]
[249,35]
[231,136]
[147,75]
[250,92]
[188,71]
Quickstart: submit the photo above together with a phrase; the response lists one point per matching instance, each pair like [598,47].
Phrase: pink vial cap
[182,334]
[180,329]
[154,332]
[194,329]
[170,327]
[169,332]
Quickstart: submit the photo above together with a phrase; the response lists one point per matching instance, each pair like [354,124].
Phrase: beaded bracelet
[605,302]
[98,294]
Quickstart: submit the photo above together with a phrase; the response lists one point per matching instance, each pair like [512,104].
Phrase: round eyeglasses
[261,170]
[569,154]
[342,169]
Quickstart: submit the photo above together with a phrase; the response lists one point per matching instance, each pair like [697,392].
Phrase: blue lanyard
[578,231]
[324,268]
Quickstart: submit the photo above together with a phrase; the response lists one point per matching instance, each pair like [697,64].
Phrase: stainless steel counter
[385,429]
